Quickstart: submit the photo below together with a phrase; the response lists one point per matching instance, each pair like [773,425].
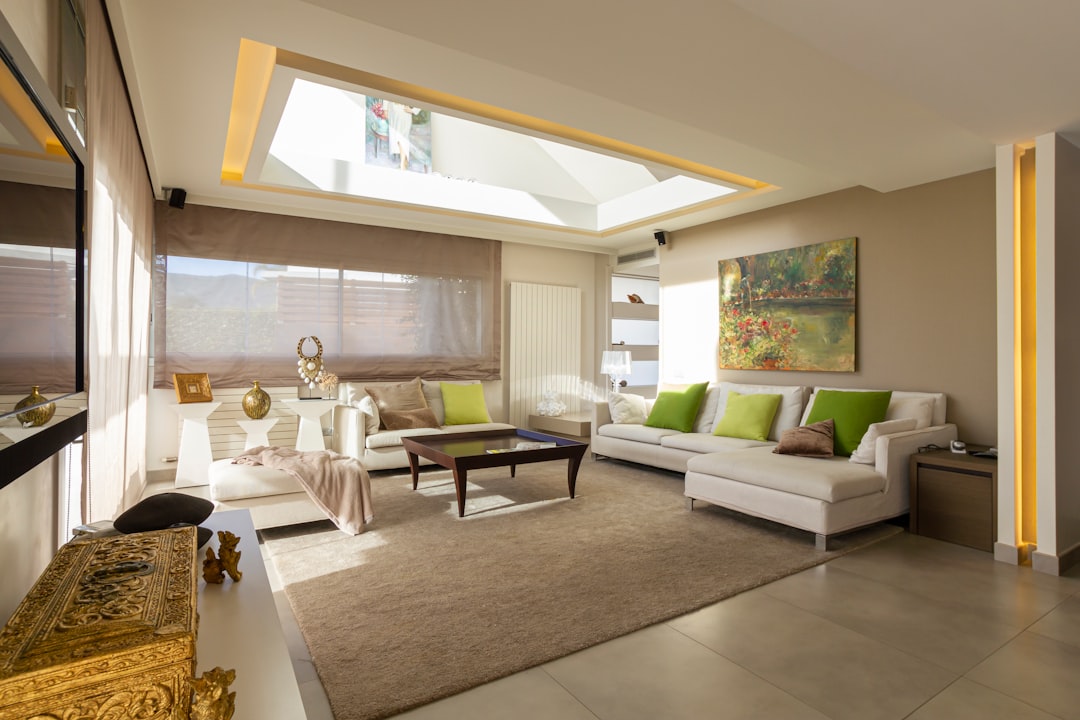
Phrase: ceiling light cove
[301,125]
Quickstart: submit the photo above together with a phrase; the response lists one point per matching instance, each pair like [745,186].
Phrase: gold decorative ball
[38,416]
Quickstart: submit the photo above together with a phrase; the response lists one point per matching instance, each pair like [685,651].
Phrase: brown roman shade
[235,290]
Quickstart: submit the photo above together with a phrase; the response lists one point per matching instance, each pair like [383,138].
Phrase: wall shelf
[634,311]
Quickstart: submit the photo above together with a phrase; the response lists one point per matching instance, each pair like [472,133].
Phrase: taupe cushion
[408,419]
[814,440]
[401,397]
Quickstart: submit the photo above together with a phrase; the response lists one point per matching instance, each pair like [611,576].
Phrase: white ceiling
[809,97]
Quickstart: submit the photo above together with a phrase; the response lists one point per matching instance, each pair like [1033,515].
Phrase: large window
[379,313]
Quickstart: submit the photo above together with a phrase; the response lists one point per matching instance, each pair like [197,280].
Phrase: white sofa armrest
[601,414]
[348,437]
[893,452]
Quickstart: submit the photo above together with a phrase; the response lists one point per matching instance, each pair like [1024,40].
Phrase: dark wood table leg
[460,478]
[571,473]
[513,470]
[414,468]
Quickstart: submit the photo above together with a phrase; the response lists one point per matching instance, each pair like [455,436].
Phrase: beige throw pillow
[409,419]
[814,440]
[401,397]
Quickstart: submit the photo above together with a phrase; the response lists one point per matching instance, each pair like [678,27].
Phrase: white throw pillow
[706,416]
[370,411]
[919,408]
[627,409]
[866,452]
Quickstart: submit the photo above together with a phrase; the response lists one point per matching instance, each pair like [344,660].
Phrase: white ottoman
[273,497]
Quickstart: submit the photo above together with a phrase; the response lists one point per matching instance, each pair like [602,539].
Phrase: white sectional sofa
[357,433]
[825,496]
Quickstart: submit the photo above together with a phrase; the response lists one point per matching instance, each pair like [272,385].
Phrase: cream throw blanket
[337,483]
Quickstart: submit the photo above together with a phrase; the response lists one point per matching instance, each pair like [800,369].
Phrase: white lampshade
[615,362]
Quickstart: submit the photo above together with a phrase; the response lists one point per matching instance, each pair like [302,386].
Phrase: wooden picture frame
[192,388]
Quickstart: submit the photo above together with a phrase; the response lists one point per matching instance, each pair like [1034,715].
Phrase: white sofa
[825,496]
[356,434]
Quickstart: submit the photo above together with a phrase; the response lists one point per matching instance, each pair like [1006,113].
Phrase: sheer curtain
[119,238]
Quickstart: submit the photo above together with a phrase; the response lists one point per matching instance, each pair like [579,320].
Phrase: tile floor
[907,628]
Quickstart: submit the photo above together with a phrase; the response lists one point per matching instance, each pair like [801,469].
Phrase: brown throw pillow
[397,398]
[814,440]
[409,419]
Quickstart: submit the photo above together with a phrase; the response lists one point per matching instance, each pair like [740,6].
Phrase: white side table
[258,431]
[195,456]
[309,433]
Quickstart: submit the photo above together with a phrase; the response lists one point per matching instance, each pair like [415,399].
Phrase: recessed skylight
[367,138]
[342,142]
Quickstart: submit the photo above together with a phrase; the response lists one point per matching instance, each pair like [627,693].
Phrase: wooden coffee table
[461,452]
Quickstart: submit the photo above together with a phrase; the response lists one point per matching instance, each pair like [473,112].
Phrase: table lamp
[614,364]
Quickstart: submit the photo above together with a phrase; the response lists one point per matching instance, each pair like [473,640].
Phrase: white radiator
[227,438]
[545,347]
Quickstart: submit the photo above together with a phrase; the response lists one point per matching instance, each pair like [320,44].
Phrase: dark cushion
[158,512]
[814,440]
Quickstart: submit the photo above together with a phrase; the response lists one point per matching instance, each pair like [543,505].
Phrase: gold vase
[38,416]
[256,402]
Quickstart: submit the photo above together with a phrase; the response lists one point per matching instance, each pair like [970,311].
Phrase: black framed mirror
[42,277]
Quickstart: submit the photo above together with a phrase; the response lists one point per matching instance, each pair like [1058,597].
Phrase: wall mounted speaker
[177,196]
[661,237]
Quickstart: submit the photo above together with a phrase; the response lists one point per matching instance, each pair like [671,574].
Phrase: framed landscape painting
[789,309]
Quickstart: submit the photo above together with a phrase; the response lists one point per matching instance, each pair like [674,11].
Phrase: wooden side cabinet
[954,498]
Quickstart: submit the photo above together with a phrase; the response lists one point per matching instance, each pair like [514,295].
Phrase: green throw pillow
[464,404]
[748,416]
[676,409]
[852,414]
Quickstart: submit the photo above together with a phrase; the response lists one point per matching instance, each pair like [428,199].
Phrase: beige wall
[926,291]
[28,531]
[549,266]
[36,22]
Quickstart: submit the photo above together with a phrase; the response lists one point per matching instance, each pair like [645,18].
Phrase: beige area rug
[425,604]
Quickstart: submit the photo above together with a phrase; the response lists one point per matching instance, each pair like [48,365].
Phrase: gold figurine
[229,555]
[212,700]
[227,561]
[212,569]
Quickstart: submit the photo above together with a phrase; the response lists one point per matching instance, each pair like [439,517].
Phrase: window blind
[235,291]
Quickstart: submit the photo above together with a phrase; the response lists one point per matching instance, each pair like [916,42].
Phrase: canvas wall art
[789,309]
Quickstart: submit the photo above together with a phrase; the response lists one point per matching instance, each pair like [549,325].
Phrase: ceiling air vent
[650,257]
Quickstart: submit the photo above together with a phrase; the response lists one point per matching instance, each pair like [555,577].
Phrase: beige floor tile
[965,700]
[940,632]
[843,674]
[1062,623]
[994,591]
[1037,670]
[660,673]
[528,695]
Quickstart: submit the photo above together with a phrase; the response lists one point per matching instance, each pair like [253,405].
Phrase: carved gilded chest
[108,631]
